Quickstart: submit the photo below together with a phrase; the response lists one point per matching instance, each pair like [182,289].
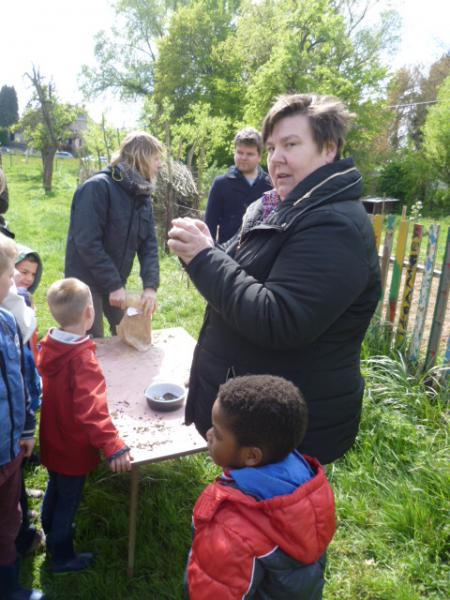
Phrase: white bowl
[156,392]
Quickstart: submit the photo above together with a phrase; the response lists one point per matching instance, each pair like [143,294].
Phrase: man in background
[233,192]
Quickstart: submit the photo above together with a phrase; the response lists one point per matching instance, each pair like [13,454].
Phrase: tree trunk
[169,201]
[170,192]
[48,159]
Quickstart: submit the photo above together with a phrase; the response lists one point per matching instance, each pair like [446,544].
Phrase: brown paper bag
[136,330]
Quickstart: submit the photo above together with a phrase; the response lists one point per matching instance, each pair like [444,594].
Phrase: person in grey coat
[293,295]
[111,221]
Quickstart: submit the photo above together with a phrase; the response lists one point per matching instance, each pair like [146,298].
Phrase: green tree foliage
[437,133]
[192,66]
[410,91]
[229,59]
[9,107]
[407,176]
[126,57]
[313,47]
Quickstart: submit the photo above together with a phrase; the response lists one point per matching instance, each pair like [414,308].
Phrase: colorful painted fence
[424,289]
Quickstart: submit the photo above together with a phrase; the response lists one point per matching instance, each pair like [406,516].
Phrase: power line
[412,104]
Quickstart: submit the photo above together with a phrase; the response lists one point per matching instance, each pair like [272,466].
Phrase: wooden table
[152,436]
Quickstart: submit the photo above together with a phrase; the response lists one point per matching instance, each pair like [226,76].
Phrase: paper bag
[135,329]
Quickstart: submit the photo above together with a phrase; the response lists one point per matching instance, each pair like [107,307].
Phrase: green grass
[391,489]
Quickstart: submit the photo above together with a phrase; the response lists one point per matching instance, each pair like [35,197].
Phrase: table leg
[134,492]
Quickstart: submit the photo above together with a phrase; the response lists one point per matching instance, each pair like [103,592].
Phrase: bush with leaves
[410,177]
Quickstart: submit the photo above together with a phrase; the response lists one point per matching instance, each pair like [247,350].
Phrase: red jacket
[233,531]
[75,421]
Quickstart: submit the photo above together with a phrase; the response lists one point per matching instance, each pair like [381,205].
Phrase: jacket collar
[129,179]
[234,173]
[328,184]
[216,494]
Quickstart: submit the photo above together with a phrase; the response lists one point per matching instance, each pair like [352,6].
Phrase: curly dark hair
[264,411]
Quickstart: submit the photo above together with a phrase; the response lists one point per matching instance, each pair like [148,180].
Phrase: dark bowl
[165,396]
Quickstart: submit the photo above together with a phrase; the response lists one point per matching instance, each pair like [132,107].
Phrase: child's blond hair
[67,300]
[8,252]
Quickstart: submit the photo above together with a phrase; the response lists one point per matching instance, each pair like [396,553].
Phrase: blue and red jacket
[246,548]
[17,420]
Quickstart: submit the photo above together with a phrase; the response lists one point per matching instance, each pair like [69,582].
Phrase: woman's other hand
[148,301]
[188,237]
[118,298]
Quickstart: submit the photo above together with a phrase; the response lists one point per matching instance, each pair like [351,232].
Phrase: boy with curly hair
[262,528]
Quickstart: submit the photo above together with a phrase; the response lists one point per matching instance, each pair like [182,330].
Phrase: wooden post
[378,227]
[387,249]
[425,289]
[440,308]
[397,267]
[446,366]
[408,289]
[134,492]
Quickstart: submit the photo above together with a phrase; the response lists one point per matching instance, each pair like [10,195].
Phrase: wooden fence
[424,341]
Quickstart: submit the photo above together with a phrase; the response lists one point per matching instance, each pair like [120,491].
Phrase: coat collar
[328,184]
[234,173]
[129,179]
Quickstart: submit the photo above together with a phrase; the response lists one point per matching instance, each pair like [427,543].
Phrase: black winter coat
[111,220]
[293,297]
[230,196]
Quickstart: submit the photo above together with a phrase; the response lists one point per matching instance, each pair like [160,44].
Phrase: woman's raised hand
[188,237]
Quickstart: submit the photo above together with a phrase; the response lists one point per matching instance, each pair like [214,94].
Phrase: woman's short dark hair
[328,118]
[264,411]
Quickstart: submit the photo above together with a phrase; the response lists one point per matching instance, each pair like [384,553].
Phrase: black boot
[10,588]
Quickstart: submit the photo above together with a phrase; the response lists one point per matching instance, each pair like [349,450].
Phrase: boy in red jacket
[262,529]
[75,422]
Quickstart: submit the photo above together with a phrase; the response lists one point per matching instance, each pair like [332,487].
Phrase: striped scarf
[270,202]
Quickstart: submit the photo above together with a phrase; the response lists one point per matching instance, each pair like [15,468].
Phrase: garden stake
[377,227]
[409,284]
[425,290]
[440,308]
[387,248]
[398,267]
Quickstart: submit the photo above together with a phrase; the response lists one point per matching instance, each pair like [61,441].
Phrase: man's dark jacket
[229,197]
[293,297]
[111,220]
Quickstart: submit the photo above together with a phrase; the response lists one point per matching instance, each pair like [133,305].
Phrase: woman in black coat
[294,293]
[111,221]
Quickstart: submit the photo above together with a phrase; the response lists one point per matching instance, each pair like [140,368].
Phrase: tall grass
[391,489]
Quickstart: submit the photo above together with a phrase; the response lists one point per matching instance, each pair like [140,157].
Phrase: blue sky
[57,35]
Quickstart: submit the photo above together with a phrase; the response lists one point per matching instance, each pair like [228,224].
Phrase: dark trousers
[61,501]
[103,307]
[27,531]
[10,513]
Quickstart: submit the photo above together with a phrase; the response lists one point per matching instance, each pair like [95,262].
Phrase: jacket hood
[26,252]
[53,355]
[129,179]
[275,479]
[311,505]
